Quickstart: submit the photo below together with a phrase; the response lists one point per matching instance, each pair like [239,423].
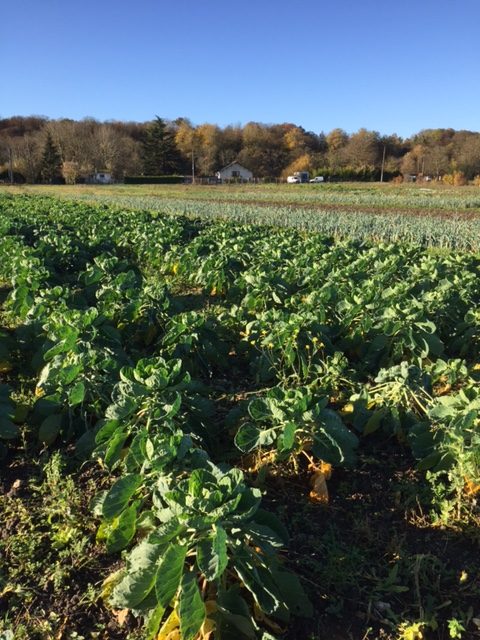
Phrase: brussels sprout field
[260,431]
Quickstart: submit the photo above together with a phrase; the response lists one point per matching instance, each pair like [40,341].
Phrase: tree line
[38,149]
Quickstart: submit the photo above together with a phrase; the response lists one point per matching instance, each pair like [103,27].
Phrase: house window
[235,174]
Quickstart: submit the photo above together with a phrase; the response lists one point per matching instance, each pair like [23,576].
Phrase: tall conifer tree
[160,155]
[51,167]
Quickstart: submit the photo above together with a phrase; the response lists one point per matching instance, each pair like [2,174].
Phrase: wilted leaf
[121,616]
[318,482]
[209,626]
[471,488]
[110,583]
[170,629]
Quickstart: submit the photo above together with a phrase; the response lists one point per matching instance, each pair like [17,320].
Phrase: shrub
[459,179]
[154,179]
[456,179]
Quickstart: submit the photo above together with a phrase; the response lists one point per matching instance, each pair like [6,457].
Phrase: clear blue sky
[395,67]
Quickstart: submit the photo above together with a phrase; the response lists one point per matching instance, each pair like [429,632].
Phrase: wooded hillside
[37,149]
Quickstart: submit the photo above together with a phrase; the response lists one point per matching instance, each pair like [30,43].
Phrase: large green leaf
[292,592]
[288,436]
[234,616]
[139,578]
[374,421]
[169,573]
[270,520]
[250,437]
[122,529]
[265,537]
[8,430]
[333,442]
[266,600]
[259,409]
[166,532]
[430,461]
[191,609]
[68,373]
[63,346]
[152,622]
[119,494]
[76,394]
[212,558]
[50,428]
[114,449]
[121,409]
[172,407]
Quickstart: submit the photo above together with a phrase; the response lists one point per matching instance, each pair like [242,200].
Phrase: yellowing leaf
[173,635]
[348,408]
[318,482]
[121,616]
[254,462]
[471,488]
[443,389]
[39,392]
[323,467]
[210,606]
[171,628]
[175,268]
[208,627]
[110,583]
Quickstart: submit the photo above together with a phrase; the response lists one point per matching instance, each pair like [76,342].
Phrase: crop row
[451,231]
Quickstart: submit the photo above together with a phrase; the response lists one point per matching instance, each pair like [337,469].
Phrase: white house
[235,172]
[100,177]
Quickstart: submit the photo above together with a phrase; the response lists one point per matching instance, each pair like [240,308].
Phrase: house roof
[235,162]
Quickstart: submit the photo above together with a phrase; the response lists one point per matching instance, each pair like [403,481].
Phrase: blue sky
[395,67]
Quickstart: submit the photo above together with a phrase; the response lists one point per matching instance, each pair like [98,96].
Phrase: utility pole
[10,165]
[383,162]
[193,167]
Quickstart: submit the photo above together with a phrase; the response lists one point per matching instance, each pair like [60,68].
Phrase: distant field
[436,215]
[365,195]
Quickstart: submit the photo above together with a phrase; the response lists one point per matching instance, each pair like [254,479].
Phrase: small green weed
[46,543]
